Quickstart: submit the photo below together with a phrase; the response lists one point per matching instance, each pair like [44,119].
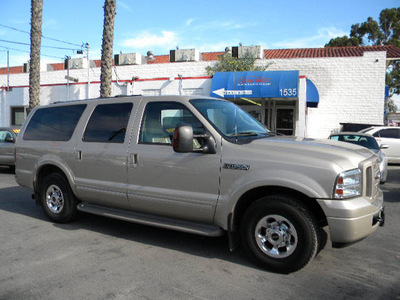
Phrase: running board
[146,219]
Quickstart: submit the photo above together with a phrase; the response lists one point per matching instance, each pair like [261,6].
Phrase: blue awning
[312,94]
[257,84]
[387,90]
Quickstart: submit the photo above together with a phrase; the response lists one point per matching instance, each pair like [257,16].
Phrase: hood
[345,155]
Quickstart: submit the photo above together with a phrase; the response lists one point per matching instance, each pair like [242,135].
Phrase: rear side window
[54,123]
[388,133]
[108,123]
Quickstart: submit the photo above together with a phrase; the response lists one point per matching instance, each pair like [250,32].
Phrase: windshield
[365,141]
[229,119]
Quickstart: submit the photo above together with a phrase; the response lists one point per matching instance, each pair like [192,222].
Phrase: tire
[280,234]
[57,199]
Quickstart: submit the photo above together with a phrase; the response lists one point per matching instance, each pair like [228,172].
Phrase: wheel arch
[249,197]
[47,169]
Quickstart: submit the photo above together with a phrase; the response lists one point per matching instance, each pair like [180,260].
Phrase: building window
[17,115]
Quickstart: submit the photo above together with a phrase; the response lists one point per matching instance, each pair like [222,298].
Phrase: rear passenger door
[163,182]
[390,137]
[101,156]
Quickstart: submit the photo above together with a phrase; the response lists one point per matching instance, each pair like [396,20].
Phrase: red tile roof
[391,52]
[12,70]
[159,59]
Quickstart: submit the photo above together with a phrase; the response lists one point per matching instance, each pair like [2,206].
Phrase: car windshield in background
[361,140]
[229,119]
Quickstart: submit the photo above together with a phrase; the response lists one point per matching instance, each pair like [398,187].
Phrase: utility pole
[67,58]
[88,71]
[8,69]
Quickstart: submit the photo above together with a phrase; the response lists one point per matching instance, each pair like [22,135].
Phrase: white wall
[351,89]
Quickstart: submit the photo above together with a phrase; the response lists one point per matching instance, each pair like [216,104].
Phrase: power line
[19,50]
[20,43]
[49,38]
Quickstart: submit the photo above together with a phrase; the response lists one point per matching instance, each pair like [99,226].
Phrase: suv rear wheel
[57,199]
[280,234]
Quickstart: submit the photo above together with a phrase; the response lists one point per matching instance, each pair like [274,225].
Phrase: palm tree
[107,48]
[36,40]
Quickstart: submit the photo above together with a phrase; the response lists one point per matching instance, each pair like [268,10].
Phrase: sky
[161,26]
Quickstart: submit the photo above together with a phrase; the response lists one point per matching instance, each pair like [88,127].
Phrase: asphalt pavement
[101,258]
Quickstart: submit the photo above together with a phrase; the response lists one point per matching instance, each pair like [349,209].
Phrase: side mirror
[183,141]
[384,146]
[9,140]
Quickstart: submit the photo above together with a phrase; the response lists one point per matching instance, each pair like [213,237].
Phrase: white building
[314,89]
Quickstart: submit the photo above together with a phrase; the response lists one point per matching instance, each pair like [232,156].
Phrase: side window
[160,120]
[335,138]
[54,123]
[4,134]
[108,123]
[389,133]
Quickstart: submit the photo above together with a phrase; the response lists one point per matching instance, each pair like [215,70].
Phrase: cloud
[124,6]
[146,40]
[189,21]
[319,40]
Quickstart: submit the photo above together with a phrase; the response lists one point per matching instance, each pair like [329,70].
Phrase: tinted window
[54,123]
[364,141]
[5,134]
[161,119]
[388,133]
[108,123]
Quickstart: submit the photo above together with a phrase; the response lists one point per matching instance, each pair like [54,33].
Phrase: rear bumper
[354,219]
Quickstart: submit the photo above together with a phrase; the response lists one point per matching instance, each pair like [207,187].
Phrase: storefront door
[284,120]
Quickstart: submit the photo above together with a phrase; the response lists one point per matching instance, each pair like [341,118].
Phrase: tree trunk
[107,48]
[34,67]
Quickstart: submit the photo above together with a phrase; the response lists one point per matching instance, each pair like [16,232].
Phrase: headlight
[348,184]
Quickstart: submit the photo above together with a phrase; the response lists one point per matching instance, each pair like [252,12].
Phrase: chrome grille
[368,182]
[371,178]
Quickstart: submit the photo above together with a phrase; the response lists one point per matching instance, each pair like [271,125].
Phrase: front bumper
[353,219]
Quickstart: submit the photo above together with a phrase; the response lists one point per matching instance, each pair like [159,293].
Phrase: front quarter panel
[310,176]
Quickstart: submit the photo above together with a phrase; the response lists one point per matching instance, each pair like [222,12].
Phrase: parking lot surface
[101,258]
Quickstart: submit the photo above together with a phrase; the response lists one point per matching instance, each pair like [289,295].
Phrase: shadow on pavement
[18,200]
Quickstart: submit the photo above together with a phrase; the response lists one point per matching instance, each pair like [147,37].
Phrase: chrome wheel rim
[276,236]
[54,199]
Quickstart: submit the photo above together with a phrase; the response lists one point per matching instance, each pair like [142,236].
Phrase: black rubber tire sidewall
[69,210]
[306,227]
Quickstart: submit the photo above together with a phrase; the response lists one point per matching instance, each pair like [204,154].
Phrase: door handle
[134,160]
[78,154]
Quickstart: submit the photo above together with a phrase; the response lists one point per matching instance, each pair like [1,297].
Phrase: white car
[390,136]
[367,141]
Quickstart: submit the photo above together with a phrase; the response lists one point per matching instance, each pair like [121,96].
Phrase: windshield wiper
[248,133]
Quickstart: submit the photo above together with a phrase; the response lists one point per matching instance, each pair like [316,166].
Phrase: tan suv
[199,165]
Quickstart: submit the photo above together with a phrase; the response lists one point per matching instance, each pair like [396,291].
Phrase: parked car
[390,136]
[200,165]
[367,141]
[8,137]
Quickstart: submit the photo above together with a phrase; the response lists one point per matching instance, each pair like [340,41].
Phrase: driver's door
[166,183]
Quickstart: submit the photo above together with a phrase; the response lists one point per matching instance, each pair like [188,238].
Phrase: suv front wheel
[57,199]
[280,234]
